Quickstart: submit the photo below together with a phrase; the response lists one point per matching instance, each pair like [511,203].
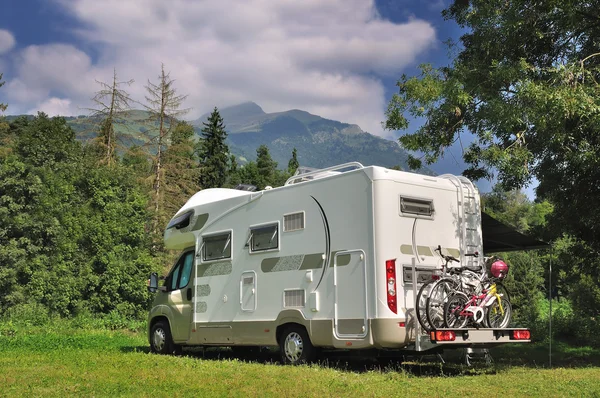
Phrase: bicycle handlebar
[447,258]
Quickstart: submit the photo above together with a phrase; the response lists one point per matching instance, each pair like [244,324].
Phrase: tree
[4,127]
[164,106]
[293,163]
[524,83]
[233,175]
[2,106]
[110,102]
[72,232]
[266,166]
[213,152]
[181,171]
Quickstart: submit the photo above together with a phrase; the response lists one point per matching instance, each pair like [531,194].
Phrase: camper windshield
[181,272]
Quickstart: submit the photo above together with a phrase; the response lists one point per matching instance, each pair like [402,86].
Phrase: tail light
[390,275]
[443,335]
[521,335]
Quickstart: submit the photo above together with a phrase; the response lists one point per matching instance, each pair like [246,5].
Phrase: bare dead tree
[164,106]
[111,102]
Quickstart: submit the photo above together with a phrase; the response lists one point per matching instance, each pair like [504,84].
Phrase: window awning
[499,237]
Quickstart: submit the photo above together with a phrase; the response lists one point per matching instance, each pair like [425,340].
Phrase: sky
[339,59]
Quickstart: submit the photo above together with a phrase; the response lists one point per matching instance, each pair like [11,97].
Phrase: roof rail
[296,178]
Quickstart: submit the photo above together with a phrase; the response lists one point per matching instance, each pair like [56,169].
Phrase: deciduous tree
[110,102]
[165,106]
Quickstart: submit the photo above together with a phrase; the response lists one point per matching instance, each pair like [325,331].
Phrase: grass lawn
[104,363]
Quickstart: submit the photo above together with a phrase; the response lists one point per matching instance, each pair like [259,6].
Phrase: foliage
[293,164]
[524,84]
[213,152]
[111,102]
[265,164]
[72,233]
[164,105]
[3,107]
[181,172]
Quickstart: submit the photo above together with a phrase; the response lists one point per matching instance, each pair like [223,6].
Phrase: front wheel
[295,346]
[499,313]
[161,341]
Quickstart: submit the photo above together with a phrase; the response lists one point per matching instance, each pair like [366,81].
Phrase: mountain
[320,142]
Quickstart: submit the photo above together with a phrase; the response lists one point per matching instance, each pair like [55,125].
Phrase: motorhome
[331,260]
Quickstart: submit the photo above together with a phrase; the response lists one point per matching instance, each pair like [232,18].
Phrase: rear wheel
[499,313]
[161,341]
[295,346]
[452,311]
[436,302]
[422,305]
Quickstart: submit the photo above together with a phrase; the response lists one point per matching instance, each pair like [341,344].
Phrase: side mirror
[153,282]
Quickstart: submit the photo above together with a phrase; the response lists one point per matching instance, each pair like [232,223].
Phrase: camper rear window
[419,207]
[216,247]
[264,238]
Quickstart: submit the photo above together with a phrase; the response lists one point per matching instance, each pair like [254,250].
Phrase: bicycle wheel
[499,313]
[436,302]
[501,290]
[454,306]
[421,309]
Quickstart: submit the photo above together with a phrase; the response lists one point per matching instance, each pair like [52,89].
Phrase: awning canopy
[499,237]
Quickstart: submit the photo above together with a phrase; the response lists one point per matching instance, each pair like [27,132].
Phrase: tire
[436,302]
[421,309]
[497,318]
[161,341]
[295,346]
[501,290]
[455,304]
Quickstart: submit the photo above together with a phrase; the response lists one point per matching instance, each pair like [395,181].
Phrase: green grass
[51,362]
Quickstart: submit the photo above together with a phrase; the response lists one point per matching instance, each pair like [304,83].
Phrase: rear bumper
[473,337]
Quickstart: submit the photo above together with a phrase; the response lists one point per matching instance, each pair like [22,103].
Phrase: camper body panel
[316,276]
[327,273]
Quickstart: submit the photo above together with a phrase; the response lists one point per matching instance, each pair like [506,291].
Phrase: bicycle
[489,308]
[487,304]
[425,291]
[459,278]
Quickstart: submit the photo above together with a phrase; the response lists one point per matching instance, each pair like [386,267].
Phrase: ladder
[469,218]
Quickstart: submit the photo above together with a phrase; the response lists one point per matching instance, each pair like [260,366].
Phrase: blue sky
[339,59]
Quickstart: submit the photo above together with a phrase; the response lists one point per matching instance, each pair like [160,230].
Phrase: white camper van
[326,261]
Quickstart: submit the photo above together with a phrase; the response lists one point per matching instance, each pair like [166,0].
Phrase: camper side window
[264,238]
[216,247]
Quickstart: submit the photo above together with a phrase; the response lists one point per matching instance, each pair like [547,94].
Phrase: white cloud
[55,107]
[7,41]
[322,56]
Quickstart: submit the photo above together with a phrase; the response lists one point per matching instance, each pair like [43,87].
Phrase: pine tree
[110,102]
[267,167]
[164,106]
[293,163]
[233,177]
[213,152]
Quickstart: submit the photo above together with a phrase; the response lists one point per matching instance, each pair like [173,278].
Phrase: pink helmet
[499,269]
